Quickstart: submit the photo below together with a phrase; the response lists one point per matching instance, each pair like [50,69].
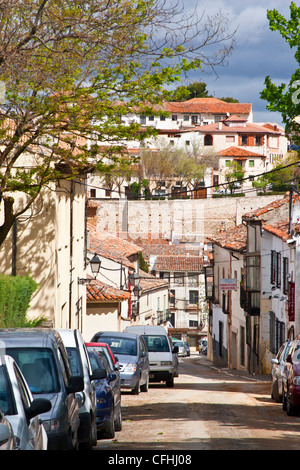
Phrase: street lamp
[134,279]
[95,264]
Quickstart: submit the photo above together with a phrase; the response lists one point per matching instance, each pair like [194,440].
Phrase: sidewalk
[203,360]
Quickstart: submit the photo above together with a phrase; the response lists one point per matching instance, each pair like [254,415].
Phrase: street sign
[228,284]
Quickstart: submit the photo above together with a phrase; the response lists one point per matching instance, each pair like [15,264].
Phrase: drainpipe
[14,248]
[71,253]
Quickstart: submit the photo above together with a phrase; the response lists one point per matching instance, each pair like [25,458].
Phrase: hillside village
[224,267]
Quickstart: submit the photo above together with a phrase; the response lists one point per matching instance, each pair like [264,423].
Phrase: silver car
[277,371]
[80,365]
[133,357]
[20,409]
[43,360]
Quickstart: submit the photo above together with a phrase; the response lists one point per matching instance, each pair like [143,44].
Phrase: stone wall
[188,220]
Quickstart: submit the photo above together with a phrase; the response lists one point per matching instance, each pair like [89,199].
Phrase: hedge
[15,295]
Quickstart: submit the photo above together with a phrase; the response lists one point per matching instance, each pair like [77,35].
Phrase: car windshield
[157,343]
[38,368]
[7,403]
[75,362]
[120,345]
[179,343]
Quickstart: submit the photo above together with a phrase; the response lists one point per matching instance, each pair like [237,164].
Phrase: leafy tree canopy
[71,69]
[286,98]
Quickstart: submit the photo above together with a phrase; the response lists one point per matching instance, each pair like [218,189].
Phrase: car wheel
[118,421]
[109,429]
[290,409]
[170,383]
[145,387]
[283,401]
[136,389]
[274,393]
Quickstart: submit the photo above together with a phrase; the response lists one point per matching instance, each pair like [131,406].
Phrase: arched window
[208,139]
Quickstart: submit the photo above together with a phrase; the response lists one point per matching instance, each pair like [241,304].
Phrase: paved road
[208,409]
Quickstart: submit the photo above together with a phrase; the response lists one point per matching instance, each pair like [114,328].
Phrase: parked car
[291,380]
[132,353]
[162,353]
[181,348]
[20,409]
[105,348]
[80,365]
[7,438]
[108,392]
[188,351]
[42,358]
[277,371]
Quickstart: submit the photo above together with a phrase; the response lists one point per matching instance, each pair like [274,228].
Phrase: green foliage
[142,263]
[15,295]
[234,173]
[72,70]
[285,98]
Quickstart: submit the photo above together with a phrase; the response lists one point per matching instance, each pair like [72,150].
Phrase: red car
[104,347]
[291,380]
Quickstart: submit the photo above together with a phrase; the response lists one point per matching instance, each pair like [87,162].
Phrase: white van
[162,355]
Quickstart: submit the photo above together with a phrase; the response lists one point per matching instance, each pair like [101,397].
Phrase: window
[186,117]
[244,140]
[230,138]
[164,275]
[192,279]
[172,297]
[258,140]
[227,162]
[285,274]
[251,163]
[38,367]
[162,118]
[179,278]
[142,119]
[151,118]
[194,119]
[93,192]
[193,297]
[187,143]
[275,268]
[208,139]
[174,117]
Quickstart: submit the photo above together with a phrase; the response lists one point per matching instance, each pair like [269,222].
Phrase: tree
[233,174]
[282,98]
[71,69]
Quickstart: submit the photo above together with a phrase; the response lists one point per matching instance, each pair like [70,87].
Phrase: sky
[258,52]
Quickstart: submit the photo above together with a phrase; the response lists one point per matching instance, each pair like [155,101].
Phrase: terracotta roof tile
[112,247]
[239,152]
[179,263]
[97,291]
[208,105]
[234,239]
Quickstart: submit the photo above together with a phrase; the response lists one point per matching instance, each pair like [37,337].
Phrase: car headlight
[166,363]
[130,368]
[80,397]
[296,380]
[51,425]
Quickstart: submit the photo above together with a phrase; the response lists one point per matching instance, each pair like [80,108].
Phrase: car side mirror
[38,406]
[98,374]
[76,384]
[112,376]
